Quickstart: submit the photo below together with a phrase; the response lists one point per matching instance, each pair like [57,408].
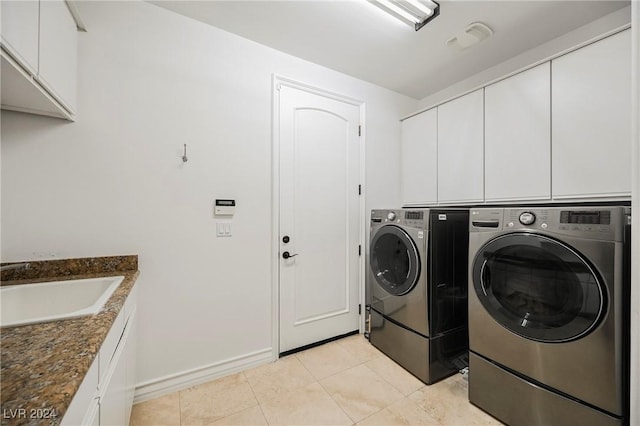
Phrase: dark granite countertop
[43,365]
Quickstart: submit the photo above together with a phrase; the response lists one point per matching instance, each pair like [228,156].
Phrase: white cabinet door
[112,402]
[117,389]
[419,148]
[113,390]
[93,418]
[591,110]
[460,149]
[518,136]
[20,32]
[58,51]
[129,356]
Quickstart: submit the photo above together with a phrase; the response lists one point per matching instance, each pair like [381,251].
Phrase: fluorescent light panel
[413,12]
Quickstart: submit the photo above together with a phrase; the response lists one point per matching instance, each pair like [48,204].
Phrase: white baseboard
[179,381]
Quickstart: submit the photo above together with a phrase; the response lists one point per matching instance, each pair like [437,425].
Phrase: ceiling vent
[473,34]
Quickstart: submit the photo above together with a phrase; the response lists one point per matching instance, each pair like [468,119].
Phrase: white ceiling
[356,38]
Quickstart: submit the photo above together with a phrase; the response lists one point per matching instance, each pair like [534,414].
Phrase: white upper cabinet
[58,51]
[20,31]
[591,110]
[39,57]
[460,149]
[518,136]
[419,148]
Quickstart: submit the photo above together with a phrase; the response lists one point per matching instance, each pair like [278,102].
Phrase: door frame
[277,82]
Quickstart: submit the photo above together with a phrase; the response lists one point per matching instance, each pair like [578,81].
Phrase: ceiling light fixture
[413,12]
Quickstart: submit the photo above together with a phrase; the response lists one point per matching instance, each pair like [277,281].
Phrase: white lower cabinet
[112,392]
[105,396]
[93,415]
[130,370]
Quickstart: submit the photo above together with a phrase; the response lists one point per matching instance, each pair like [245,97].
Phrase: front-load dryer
[417,289]
[548,314]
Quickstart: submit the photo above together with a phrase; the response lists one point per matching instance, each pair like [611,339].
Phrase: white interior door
[319,217]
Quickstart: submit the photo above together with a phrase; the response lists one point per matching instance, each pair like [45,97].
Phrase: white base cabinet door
[461,149]
[129,356]
[518,136]
[116,392]
[591,110]
[419,153]
[112,408]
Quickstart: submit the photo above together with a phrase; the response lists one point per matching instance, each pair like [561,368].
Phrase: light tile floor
[345,382]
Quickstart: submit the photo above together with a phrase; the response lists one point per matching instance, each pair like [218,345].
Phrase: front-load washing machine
[549,314]
[417,289]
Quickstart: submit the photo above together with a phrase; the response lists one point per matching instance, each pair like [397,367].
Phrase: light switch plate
[223,229]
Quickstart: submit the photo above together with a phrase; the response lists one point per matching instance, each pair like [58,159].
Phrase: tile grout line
[256,396]
[353,422]
[337,343]
[325,390]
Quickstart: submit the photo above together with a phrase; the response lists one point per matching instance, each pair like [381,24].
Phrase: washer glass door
[538,287]
[394,260]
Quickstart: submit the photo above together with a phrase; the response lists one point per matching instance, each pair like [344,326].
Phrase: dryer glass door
[538,287]
[395,261]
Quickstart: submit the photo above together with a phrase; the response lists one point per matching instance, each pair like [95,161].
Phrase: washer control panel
[418,218]
[598,222]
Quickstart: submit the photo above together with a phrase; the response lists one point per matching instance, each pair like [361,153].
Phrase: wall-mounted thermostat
[225,207]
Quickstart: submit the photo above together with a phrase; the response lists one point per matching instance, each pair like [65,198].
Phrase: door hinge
[359,130]
[359,249]
[359,189]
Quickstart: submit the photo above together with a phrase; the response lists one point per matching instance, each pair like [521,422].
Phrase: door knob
[287,255]
[286,239]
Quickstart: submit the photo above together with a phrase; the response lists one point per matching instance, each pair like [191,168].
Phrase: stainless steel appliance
[548,314]
[417,289]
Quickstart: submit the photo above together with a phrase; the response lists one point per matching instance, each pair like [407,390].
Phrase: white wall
[568,41]
[114,183]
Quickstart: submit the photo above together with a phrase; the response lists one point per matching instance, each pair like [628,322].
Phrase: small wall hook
[184,156]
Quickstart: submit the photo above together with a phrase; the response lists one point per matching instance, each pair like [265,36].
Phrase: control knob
[527,218]
[391,216]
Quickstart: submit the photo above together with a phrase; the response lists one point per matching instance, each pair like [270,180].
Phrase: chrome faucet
[24,266]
